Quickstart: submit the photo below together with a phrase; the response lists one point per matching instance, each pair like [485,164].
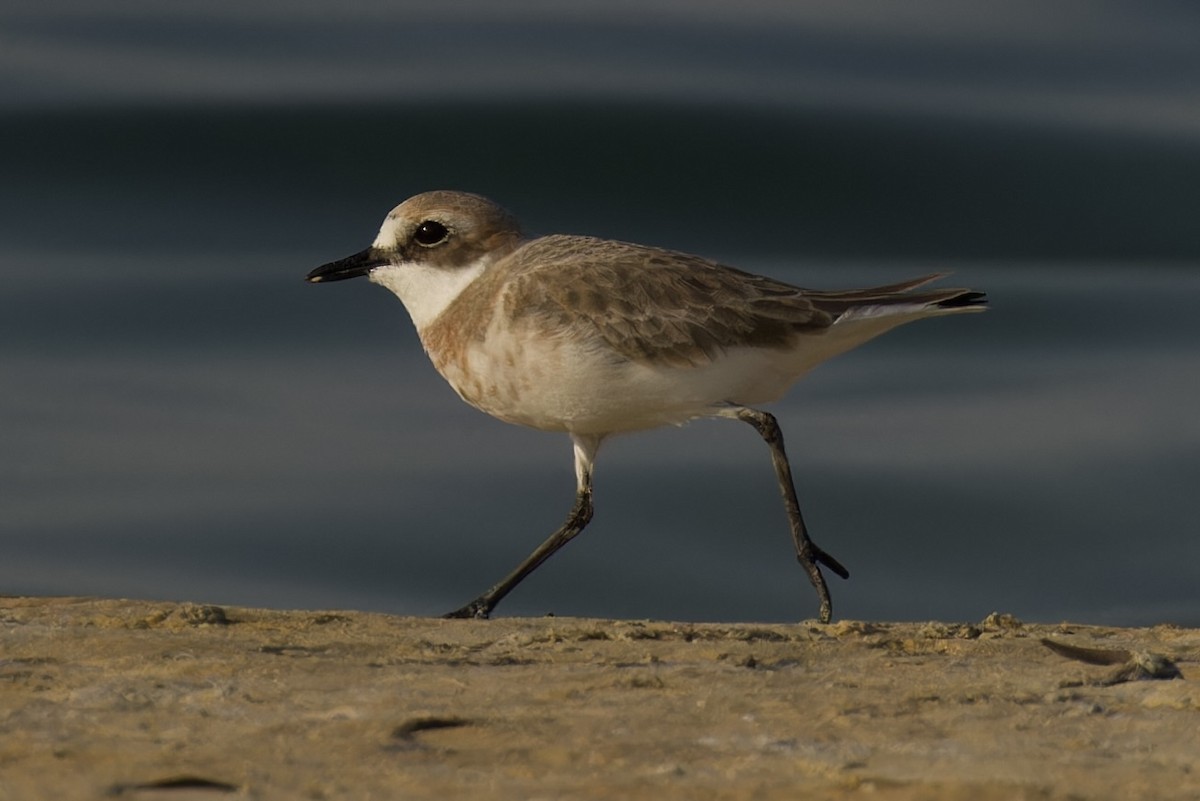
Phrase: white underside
[583,388]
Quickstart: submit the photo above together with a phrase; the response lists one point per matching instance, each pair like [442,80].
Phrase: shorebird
[1134,665]
[596,337]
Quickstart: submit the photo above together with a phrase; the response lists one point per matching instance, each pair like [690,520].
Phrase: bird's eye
[430,233]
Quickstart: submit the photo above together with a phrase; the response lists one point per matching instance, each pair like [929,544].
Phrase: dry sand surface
[141,700]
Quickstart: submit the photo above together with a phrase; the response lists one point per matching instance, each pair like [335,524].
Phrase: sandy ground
[142,700]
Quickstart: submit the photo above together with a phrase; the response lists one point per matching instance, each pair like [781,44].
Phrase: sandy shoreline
[161,700]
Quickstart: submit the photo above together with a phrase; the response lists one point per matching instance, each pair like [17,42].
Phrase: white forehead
[401,221]
[395,226]
[465,214]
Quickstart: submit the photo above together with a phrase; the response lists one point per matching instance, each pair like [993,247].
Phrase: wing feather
[673,308]
[651,304]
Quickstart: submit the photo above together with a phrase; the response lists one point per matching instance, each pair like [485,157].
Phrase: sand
[146,700]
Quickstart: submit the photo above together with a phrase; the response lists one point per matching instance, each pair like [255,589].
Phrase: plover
[1134,665]
[596,337]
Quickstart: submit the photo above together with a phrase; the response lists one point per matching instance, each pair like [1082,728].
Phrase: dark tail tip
[967,300]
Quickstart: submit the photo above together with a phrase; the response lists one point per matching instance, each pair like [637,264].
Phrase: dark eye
[430,233]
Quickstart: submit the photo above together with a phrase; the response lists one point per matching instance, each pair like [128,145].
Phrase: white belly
[562,381]
[559,385]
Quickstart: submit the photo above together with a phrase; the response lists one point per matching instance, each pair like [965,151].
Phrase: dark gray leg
[577,520]
[807,552]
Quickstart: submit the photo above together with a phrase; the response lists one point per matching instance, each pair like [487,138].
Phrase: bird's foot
[476,610]
[828,561]
[826,615]
[810,558]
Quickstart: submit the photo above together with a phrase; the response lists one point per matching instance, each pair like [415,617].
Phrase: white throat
[424,290]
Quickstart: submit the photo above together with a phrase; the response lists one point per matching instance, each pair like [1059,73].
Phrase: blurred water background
[184,418]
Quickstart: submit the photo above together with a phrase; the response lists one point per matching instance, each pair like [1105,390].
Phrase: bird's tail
[898,299]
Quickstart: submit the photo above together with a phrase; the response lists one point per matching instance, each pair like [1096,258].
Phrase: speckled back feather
[671,308]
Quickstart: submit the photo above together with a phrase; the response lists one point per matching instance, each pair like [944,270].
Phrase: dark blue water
[185,418]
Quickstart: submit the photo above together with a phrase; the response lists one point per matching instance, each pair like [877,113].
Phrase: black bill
[354,266]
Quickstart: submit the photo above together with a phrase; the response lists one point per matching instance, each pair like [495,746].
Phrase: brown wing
[651,304]
[838,302]
[1093,656]
[675,308]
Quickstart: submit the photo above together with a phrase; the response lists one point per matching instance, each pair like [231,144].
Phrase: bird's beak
[350,267]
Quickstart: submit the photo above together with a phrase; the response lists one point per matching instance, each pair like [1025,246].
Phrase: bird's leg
[577,520]
[807,552]
[581,513]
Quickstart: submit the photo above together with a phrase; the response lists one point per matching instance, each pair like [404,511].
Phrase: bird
[597,337]
[1134,665]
